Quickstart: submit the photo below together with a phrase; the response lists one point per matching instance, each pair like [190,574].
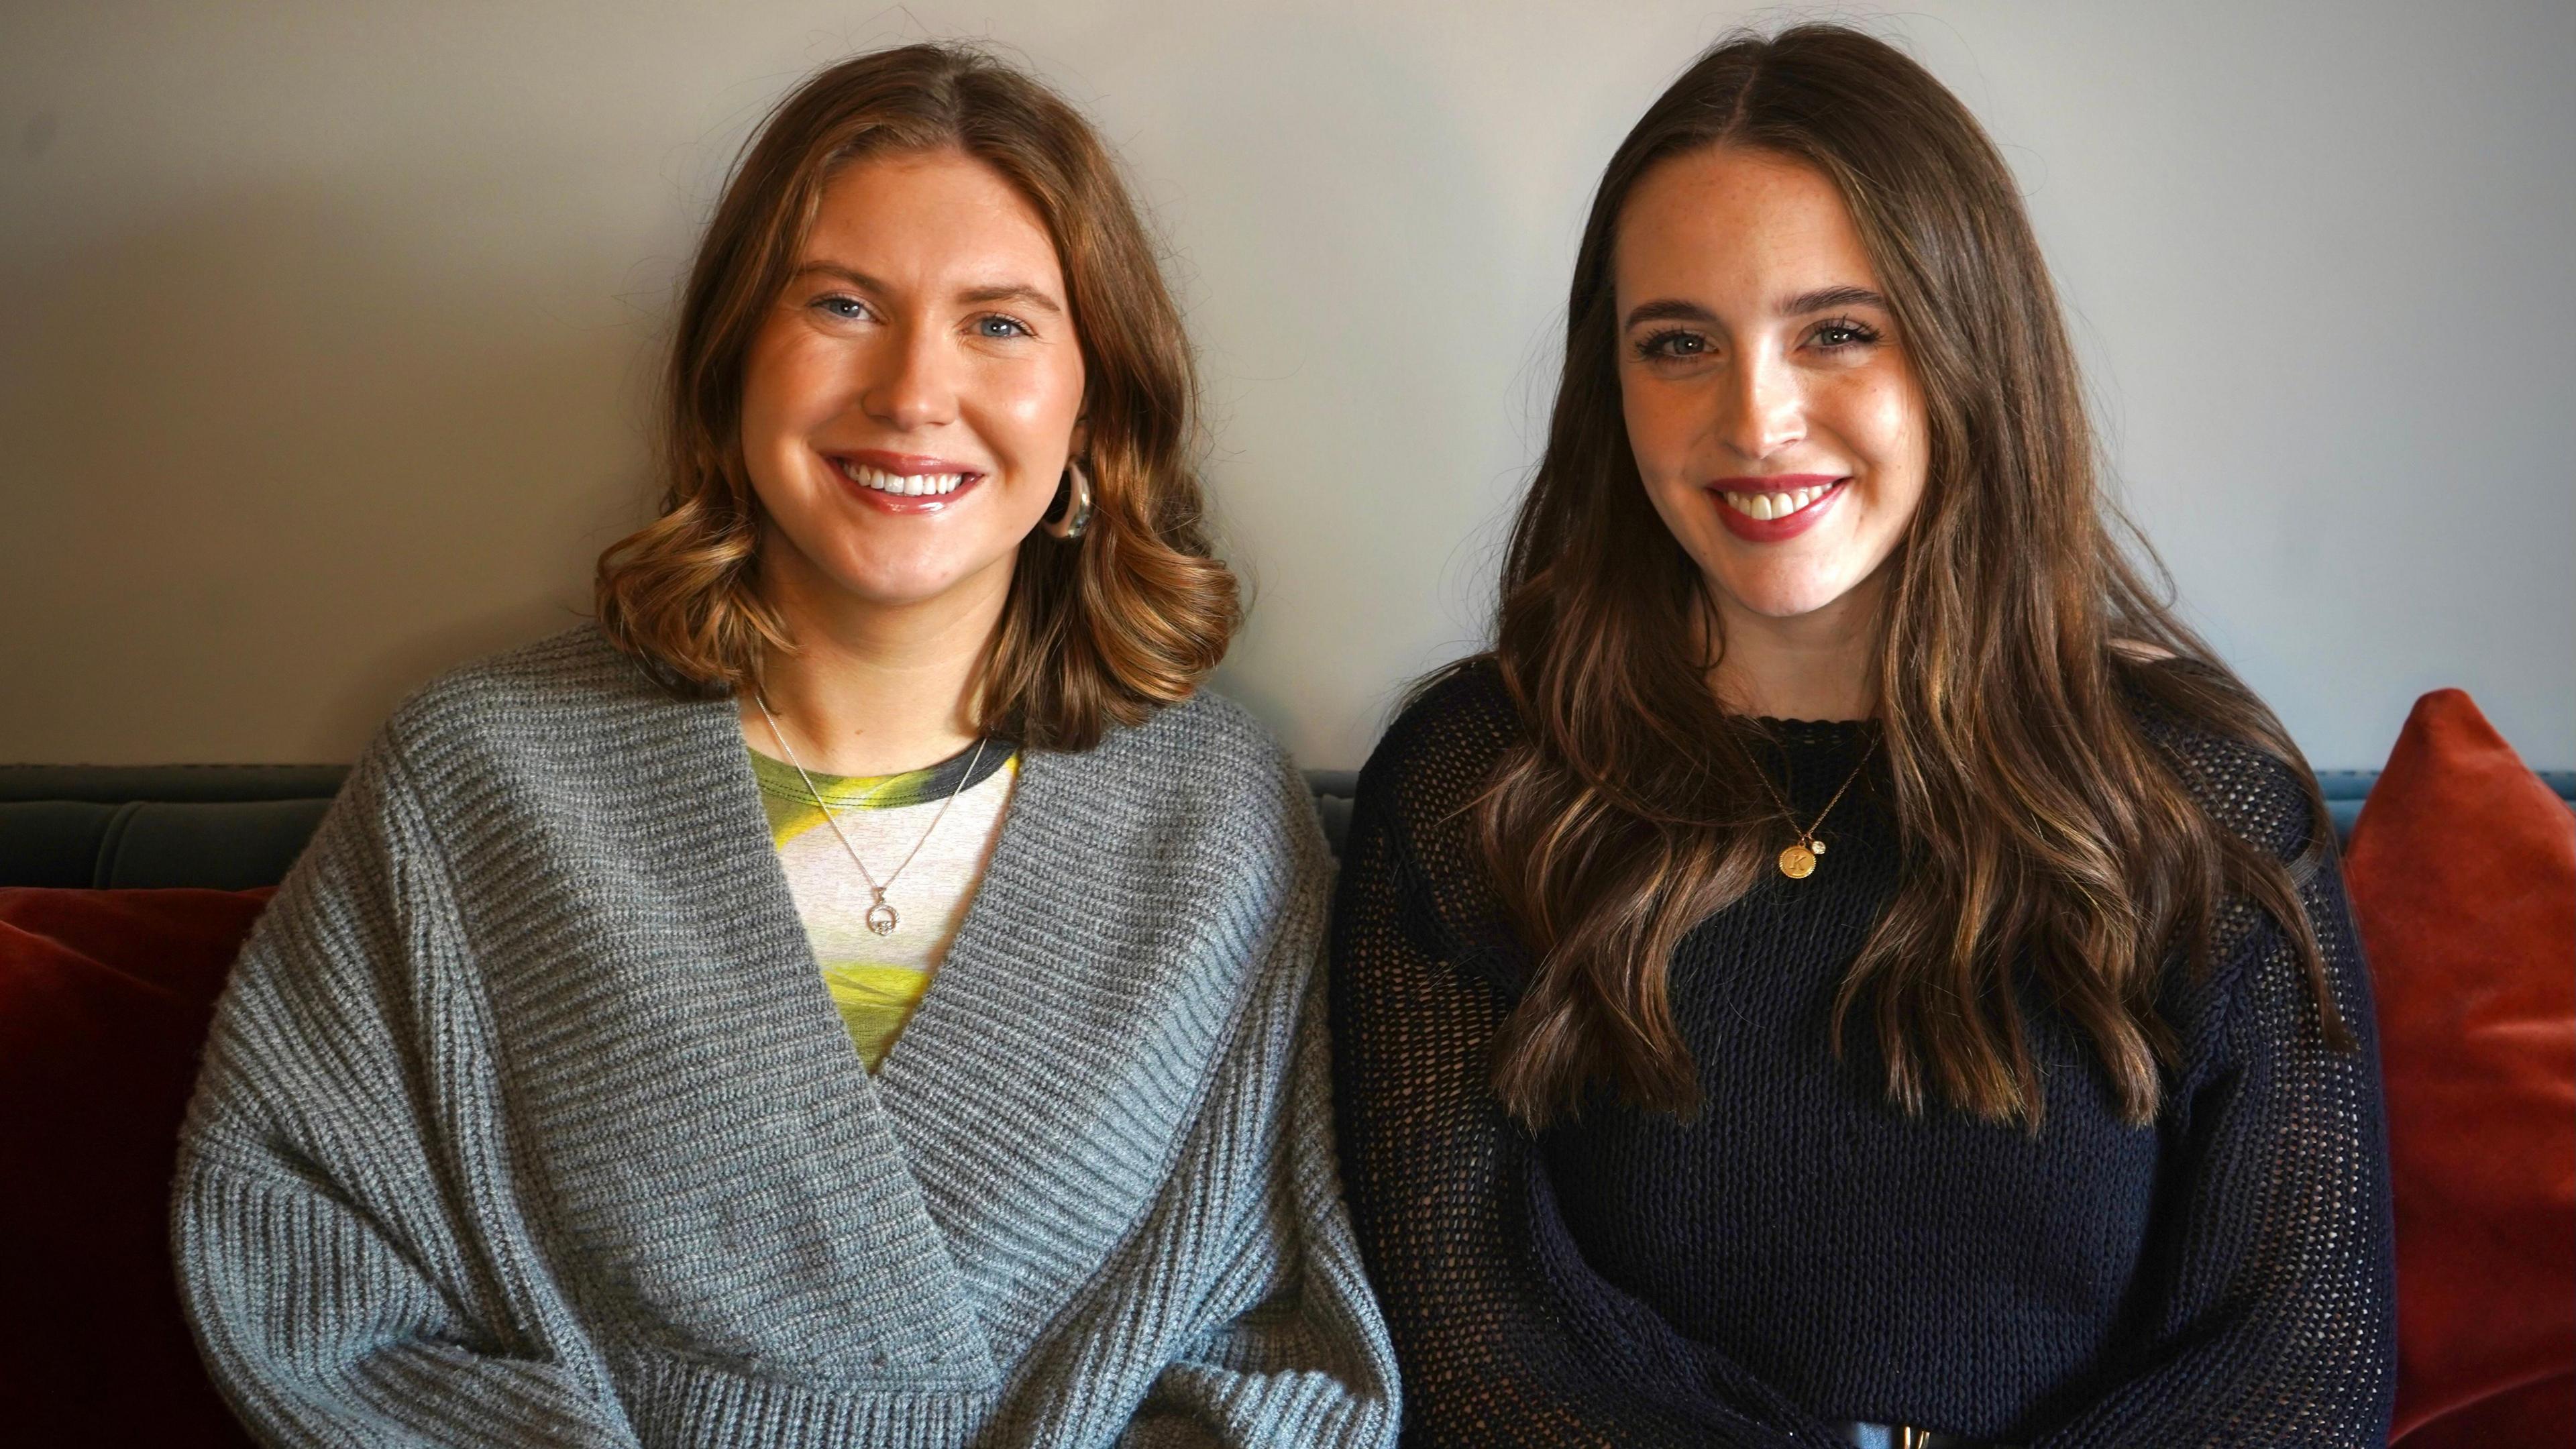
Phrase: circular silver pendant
[881,919]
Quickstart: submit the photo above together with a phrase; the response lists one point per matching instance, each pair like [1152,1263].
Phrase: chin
[897,591]
[1776,597]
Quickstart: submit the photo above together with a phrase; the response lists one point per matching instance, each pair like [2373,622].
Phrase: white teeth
[904,485]
[1767,506]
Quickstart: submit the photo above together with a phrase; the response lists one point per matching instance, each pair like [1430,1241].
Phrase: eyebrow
[1828,299]
[976,296]
[1823,299]
[1669,309]
[1029,296]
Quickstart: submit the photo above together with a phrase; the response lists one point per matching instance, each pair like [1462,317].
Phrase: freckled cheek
[1661,423]
[1880,418]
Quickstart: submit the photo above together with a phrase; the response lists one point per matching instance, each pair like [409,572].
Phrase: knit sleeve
[1288,1349]
[1500,1339]
[327,1171]
[2275,1319]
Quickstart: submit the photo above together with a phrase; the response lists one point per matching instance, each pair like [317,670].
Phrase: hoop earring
[1076,515]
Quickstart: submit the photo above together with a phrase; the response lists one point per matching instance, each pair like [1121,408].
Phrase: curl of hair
[2043,830]
[1100,632]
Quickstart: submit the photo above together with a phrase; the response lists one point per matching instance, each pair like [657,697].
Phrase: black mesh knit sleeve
[1442,1184]
[2275,1317]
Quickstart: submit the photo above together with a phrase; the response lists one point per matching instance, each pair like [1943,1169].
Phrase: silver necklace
[881,918]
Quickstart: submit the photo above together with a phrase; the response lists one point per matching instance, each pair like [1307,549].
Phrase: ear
[1080,448]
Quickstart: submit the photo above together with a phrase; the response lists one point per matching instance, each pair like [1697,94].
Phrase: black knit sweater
[1802,1253]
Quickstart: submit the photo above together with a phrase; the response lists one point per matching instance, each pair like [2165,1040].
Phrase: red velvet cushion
[104,1001]
[2463,876]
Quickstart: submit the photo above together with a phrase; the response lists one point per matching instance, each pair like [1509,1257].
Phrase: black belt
[1899,1436]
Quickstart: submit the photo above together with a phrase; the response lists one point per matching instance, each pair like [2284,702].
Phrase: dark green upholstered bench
[225,827]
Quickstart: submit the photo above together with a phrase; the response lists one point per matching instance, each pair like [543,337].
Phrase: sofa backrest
[233,827]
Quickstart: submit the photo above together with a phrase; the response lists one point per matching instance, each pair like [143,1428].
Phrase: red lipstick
[1782,527]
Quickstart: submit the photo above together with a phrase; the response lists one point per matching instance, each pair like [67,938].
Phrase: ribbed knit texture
[1804,1253]
[527,1119]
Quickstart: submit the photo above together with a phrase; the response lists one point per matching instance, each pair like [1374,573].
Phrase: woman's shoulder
[1207,726]
[1414,815]
[1205,747]
[559,718]
[1205,767]
[1444,743]
[1189,833]
[2260,792]
[462,765]
[566,680]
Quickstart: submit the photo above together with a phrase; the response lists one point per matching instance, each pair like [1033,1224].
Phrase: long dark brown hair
[1130,618]
[2042,829]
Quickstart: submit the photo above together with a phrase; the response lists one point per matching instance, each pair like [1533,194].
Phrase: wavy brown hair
[1103,630]
[2042,829]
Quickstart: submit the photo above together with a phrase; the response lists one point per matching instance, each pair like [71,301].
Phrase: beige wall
[325,329]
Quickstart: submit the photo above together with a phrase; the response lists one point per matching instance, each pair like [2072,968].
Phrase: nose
[909,387]
[1761,407]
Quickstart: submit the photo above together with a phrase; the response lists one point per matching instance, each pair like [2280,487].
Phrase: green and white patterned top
[877,980]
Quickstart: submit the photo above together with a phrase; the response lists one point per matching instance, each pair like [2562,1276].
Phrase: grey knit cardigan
[527,1119]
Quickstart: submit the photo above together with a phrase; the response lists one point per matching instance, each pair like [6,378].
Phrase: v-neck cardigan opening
[692,1192]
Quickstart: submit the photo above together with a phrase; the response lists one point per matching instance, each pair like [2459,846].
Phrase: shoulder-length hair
[1103,630]
[2043,830]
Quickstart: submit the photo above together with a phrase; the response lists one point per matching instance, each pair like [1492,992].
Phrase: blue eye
[845,309]
[1672,343]
[999,327]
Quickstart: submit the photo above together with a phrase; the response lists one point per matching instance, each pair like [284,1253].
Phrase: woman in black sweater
[1848,966]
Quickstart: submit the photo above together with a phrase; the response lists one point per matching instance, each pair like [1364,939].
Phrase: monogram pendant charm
[881,918]
[1797,862]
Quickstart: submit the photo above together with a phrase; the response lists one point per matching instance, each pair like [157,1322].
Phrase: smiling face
[911,399]
[1776,423]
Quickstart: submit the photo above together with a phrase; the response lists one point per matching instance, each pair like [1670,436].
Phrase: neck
[870,688]
[1818,665]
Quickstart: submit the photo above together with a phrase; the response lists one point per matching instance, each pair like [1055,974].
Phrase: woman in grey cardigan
[651,1049]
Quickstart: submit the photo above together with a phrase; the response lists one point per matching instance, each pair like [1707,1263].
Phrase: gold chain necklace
[1798,861]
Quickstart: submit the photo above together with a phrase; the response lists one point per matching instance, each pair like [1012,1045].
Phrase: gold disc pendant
[1798,862]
